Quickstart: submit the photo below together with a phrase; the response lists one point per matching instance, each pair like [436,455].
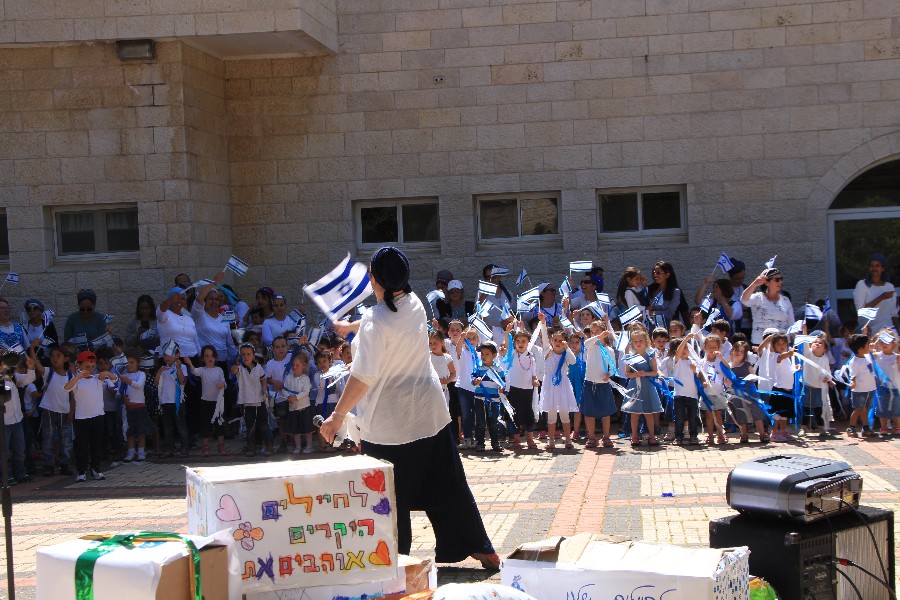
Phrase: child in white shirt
[170,380]
[862,383]
[57,411]
[13,418]
[87,391]
[251,381]
[276,369]
[297,386]
[212,399]
[139,423]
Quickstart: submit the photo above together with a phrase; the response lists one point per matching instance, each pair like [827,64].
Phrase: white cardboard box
[595,567]
[301,524]
[146,571]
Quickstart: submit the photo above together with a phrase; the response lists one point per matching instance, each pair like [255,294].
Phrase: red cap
[86,355]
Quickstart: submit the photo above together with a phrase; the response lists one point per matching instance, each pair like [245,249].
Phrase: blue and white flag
[228,316]
[482,328]
[171,348]
[107,318]
[565,322]
[706,304]
[595,308]
[104,340]
[868,314]
[827,306]
[804,339]
[522,277]
[296,316]
[526,300]
[565,287]
[715,314]
[315,336]
[581,265]
[236,265]
[632,314]
[499,271]
[150,333]
[797,327]
[483,309]
[633,359]
[886,337]
[48,317]
[46,341]
[18,348]
[79,340]
[771,262]
[724,262]
[12,278]
[341,290]
[118,361]
[623,340]
[813,312]
[504,311]
[604,301]
[487,288]
[434,295]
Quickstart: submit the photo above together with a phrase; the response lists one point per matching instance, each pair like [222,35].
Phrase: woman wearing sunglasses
[770,307]
[86,321]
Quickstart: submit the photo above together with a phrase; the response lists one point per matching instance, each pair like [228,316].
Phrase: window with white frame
[4,237]
[412,222]
[523,216]
[629,211]
[110,231]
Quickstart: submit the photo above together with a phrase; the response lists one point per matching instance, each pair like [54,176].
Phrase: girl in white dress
[557,395]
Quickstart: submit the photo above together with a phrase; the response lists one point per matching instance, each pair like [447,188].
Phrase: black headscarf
[390,269]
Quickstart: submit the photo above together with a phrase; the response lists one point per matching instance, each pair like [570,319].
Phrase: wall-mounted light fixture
[136,49]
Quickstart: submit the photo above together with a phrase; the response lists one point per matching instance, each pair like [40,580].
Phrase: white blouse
[766,314]
[180,328]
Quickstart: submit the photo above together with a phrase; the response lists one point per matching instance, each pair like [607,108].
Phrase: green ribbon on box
[84,564]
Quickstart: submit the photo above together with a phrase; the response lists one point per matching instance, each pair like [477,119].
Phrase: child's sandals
[607,443]
[591,443]
[635,441]
[721,439]
[551,446]
[569,445]
[532,445]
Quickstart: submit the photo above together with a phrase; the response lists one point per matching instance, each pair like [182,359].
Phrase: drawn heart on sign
[374,481]
[228,510]
[382,556]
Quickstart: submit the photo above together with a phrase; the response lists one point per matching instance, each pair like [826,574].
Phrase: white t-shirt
[180,328]
[210,377]
[887,309]
[861,372]
[440,363]
[594,369]
[888,364]
[55,397]
[784,372]
[298,386]
[250,392]
[813,377]
[404,402]
[88,395]
[134,391]
[766,314]
[275,369]
[272,328]
[683,373]
[465,366]
[213,331]
[168,381]
[12,411]
[523,368]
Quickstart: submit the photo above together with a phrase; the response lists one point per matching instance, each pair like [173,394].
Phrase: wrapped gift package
[596,566]
[301,524]
[139,569]
[415,576]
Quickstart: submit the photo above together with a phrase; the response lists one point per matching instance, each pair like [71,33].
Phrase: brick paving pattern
[523,497]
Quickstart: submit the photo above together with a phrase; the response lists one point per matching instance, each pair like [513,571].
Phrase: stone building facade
[521,132]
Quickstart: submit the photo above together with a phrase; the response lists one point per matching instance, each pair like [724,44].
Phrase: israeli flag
[315,336]
[46,342]
[483,309]
[486,287]
[150,333]
[565,288]
[18,348]
[499,271]
[108,318]
[804,339]
[771,262]
[48,317]
[434,295]
[581,265]
[886,337]
[171,348]
[595,309]
[632,314]
[715,314]
[706,304]
[527,299]
[522,277]
[565,322]
[724,262]
[296,316]
[482,328]
[623,341]
[504,312]
[797,327]
[633,359]
[604,301]
[868,314]
[827,306]
[79,340]
[340,290]
[103,340]
[118,361]
[236,265]
[813,312]
[12,278]
[228,316]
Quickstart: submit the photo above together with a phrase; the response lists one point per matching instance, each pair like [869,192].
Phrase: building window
[108,231]
[518,216]
[408,222]
[4,237]
[630,211]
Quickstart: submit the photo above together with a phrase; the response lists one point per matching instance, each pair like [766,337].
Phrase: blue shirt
[488,389]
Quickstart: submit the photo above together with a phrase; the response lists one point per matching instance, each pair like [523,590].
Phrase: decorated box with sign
[303,523]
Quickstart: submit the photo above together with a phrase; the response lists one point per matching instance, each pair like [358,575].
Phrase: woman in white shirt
[771,308]
[176,325]
[875,291]
[403,419]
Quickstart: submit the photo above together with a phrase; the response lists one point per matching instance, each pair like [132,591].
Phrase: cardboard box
[415,576]
[301,524]
[146,571]
[595,566]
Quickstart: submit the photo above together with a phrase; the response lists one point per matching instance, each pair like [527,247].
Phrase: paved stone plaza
[523,497]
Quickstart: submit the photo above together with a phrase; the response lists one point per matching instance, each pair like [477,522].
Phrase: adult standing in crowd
[403,418]
[278,323]
[586,294]
[442,278]
[455,306]
[771,308]
[176,325]
[34,326]
[501,296]
[211,329]
[183,280]
[875,290]
[11,332]
[741,320]
[86,320]
[143,323]
[664,295]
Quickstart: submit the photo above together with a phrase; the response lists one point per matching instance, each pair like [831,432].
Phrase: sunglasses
[777,279]
[33,307]
[586,282]
[86,309]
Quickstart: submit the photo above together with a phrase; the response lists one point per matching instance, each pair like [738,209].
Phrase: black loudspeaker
[798,559]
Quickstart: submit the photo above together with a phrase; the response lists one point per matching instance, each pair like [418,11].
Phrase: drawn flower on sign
[248,535]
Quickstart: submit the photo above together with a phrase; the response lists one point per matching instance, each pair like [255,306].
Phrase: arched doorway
[863,218]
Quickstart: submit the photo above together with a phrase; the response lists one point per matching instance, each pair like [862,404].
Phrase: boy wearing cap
[485,378]
[87,393]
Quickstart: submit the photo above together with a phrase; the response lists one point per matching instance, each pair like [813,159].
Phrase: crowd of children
[511,373]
